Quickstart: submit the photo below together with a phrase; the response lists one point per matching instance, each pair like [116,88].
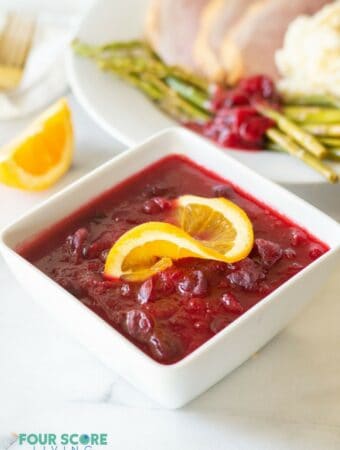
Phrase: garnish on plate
[251,115]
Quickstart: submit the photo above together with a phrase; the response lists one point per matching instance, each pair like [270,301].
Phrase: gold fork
[15,43]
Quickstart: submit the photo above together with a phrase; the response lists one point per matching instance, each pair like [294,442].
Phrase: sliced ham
[172,27]
[223,39]
[249,47]
[218,16]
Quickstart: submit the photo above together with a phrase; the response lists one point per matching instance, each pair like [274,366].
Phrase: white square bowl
[176,384]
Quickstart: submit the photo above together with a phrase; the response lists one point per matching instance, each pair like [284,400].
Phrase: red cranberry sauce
[235,122]
[170,315]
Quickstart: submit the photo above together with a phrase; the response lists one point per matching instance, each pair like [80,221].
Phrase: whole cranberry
[316,251]
[228,98]
[165,346]
[246,275]
[194,284]
[229,138]
[125,290]
[145,291]
[138,324]
[231,304]
[297,237]
[259,86]
[254,129]
[156,205]
[78,239]
[241,114]
[223,190]
[289,253]
[270,252]
[166,280]
[236,98]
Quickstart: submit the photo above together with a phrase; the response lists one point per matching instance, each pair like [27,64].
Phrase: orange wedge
[213,229]
[42,154]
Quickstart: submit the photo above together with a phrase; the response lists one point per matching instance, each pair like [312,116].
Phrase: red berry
[77,240]
[269,252]
[223,190]
[289,253]
[231,304]
[316,251]
[145,291]
[297,237]
[247,275]
[166,346]
[156,205]
[138,324]
[258,85]
[125,290]
[253,131]
[194,284]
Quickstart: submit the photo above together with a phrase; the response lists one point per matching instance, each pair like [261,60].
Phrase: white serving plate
[177,384]
[127,114]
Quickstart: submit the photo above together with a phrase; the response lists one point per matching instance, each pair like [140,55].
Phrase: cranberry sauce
[235,121]
[170,315]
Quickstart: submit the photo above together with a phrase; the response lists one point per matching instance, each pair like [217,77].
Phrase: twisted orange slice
[215,229]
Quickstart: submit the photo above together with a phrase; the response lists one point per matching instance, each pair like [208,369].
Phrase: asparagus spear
[189,92]
[320,129]
[289,146]
[133,64]
[316,99]
[305,139]
[131,48]
[112,49]
[192,111]
[312,114]
[134,44]
[330,142]
[334,154]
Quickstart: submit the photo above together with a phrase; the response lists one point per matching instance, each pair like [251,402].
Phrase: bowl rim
[77,184]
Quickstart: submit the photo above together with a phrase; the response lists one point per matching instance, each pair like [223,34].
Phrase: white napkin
[44,78]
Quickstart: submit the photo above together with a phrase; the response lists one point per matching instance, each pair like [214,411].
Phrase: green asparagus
[191,93]
[302,137]
[320,129]
[334,154]
[289,146]
[330,142]
[312,100]
[192,111]
[312,114]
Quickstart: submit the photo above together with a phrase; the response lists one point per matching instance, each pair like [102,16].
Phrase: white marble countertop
[287,397]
